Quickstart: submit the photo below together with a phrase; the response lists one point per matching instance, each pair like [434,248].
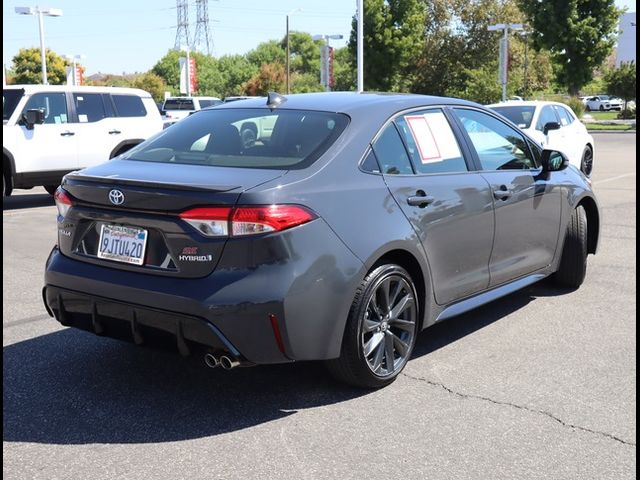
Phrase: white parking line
[614,178]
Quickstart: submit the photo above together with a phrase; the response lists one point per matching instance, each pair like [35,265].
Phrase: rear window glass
[129,106]
[519,115]
[252,138]
[178,104]
[209,103]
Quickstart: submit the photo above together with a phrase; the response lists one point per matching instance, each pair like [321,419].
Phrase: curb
[612,131]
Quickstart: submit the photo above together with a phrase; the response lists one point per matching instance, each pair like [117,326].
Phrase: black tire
[601,108]
[354,365]
[51,189]
[586,164]
[573,263]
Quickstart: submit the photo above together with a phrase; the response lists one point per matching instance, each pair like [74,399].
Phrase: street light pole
[360,46]
[49,12]
[504,51]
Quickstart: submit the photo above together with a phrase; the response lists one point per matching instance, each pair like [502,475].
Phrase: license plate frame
[123,244]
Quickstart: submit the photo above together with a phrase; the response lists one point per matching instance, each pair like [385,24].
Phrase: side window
[431,143]
[499,147]
[54,106]
[89,107]
[129,106]
[391,154]
[370,164]
[565,117]
[546,115]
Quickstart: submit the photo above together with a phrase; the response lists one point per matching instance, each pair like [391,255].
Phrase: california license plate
[122,244]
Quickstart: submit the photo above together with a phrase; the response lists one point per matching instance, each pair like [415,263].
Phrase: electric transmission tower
[202,38]
[182,33]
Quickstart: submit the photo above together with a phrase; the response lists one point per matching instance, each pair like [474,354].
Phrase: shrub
[576,105]
[627,114]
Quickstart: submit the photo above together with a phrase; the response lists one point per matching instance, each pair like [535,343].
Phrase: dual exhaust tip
[224,361]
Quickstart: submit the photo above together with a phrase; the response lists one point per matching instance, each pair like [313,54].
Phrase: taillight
[246,220]
[63,201]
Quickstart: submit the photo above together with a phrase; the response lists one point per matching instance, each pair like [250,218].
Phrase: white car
[51,130]
[553,125]
[177,108]
[603,103]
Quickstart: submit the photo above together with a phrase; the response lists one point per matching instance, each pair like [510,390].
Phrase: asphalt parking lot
[540,384]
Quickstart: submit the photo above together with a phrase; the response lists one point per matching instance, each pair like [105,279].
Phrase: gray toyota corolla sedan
[338,229]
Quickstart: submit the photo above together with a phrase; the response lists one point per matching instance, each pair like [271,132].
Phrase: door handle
[420,199]
[114,132]
[502,193]
[67,134]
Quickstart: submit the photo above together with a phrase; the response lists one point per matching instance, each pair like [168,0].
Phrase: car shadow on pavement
[15,202]
[71,387]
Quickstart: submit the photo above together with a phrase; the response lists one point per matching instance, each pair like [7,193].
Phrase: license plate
[122,244]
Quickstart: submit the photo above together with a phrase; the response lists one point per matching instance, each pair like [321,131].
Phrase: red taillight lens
[63,201]
[210,221]
[272,218]
[246,220]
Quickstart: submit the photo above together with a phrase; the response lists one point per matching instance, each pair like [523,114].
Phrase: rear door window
[89,107]
[391,154]
[431,143]
[129,106]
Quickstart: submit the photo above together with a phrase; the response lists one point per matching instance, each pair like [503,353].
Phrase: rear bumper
[305,277]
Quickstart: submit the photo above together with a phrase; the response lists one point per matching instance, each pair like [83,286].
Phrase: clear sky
[119,36]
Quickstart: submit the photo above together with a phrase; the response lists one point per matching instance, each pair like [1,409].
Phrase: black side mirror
[33,117]
[550,126]
[554,161]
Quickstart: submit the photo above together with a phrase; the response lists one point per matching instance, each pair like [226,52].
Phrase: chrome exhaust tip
[211,361]
[228,363]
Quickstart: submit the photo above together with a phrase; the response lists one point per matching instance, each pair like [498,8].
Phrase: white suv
[177,108]
[49,131]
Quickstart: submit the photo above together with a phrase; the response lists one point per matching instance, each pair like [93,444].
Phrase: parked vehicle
[364,219]
[603,103]
[176,108]
[555,126]
[51,130]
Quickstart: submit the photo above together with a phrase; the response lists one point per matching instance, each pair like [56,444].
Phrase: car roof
[31,89]
[526,103]
[197,97]
[350,102]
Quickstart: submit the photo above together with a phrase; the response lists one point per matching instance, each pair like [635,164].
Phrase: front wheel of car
[586,164]
[381,329]
[573,263]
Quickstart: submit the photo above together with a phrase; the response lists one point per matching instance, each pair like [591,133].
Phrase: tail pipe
[228,362]
[211,360]
[214,359]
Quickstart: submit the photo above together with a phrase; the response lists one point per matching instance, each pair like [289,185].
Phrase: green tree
[270,78]
[267,52]
[393,37]
[578,33]
[344,70]
[235,70]
[621,81]
[27,67]
[152,83]
[209,78]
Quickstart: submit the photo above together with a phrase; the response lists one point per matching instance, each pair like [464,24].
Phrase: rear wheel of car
[586,165]
[381,329]
[51,189]
[573,264]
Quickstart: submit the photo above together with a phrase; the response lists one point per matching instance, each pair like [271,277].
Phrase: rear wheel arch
[411,264]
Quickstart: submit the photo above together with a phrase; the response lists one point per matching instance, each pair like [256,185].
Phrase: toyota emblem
[116,197]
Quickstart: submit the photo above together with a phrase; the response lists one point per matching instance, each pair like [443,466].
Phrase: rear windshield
[10,99]
[519,115]
[252,138]
[178,104]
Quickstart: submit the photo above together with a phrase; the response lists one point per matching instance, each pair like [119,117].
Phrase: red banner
[193,75]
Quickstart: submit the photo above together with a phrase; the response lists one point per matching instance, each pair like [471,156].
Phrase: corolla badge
[116,197]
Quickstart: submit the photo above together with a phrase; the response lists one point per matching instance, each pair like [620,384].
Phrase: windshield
[10,100]
[252,138]
[519,115]
[178,104]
